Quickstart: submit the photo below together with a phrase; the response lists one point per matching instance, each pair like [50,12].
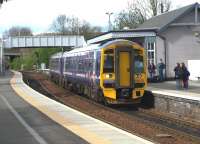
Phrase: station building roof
[161,22]
[120,35]
[150,27]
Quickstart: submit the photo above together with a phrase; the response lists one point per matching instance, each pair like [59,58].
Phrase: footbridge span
[44,41]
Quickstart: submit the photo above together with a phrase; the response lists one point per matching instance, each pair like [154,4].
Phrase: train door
[124,69]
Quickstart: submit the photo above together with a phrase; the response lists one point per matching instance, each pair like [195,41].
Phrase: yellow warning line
[73,127]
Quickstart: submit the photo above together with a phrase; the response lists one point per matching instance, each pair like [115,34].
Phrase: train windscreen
[108,61]
[138,63]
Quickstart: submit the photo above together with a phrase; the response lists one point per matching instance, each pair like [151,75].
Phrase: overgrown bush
[35,57]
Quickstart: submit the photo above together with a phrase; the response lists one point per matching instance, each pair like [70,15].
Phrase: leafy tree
[73,26]
[65,25]
[28,61]
[60,24]
[138,11]
[130,18]
[159,6]
[88,31]
[43,54]
[18,31]
[35,57]
[16,63]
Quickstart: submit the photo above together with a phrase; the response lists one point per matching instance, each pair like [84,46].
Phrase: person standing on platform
[152,70]
[185,76]
[161,67]
[178,76]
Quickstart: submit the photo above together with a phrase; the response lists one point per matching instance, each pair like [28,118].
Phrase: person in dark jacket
[185,75]
[152,70]
[178,75]
[161,67]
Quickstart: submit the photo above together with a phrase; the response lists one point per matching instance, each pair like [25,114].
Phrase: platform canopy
[123,34]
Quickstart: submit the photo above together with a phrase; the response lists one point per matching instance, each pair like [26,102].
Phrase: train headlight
[108,75]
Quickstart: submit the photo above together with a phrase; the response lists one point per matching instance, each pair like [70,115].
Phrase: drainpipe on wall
[165,54]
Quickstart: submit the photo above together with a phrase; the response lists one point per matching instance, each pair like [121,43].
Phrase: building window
[151,52]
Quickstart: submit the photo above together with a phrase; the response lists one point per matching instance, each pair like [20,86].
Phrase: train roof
[90,47]
[95,46]
[82,49]
[56,55]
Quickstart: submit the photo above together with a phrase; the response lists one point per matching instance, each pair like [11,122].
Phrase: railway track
[182,127]
[143,122]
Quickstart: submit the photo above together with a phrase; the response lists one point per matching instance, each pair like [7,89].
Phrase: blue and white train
[113,72]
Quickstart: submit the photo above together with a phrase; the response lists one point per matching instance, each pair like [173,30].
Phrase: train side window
[66,64]
[70,63]
[80,65]
[90,64]
[74,64]
[56,64]
[98,61]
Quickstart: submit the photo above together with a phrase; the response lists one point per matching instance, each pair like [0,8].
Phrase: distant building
[173,36]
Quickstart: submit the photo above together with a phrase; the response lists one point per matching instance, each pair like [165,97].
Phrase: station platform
[169,88]
[21,123]
[182,104]
[88,129]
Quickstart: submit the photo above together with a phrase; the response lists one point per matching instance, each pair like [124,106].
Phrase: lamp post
[1,59]
[1,56]
[109,22]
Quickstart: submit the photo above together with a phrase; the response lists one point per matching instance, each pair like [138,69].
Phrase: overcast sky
[39,14]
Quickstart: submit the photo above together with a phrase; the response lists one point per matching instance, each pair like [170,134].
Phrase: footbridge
[44,41]
[16,46]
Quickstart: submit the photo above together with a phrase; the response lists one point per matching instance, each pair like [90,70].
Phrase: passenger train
[113,72]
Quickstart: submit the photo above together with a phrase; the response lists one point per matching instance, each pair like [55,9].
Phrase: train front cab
[123,74]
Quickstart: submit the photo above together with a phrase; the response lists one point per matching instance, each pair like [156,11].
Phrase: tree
[59,24]
[1,2]
[89,31]
[34,57]
[65,25]
[73,26]
[43,54]
[159,6]
[18,31]
[138,11]
[131,17]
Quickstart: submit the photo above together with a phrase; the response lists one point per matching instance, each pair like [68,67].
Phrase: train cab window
[138,63]
[108,61]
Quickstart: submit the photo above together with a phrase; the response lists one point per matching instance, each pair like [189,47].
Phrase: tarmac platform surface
[28,117]
[21,123]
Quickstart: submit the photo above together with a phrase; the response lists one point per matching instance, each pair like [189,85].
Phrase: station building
[173,36]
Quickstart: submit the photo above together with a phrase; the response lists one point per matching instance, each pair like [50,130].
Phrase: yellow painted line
[73,127]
